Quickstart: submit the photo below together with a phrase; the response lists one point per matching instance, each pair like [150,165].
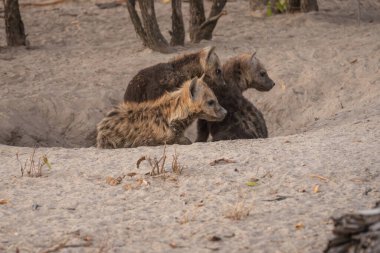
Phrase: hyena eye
[263,73]
[211,102]
[218,71]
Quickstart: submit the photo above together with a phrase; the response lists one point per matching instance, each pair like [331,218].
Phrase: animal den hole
[45,128]
[68,120]
[71,122]
[46,122]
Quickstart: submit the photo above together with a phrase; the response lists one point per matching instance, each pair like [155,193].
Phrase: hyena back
[152,82]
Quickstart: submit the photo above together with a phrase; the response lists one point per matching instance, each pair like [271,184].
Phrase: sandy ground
[323,119]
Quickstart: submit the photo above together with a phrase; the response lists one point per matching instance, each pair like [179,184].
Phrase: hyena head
[211,66]
[253,74]
[203,101]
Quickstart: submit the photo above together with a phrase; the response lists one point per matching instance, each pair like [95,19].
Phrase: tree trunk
[14,27]
[148,30]
[302,5]
[294,5]
[200,28]
[197,17]
[216,10]
[309,5]
[178,28]
[131,4]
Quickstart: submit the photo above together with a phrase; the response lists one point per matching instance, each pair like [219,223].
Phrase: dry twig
[177,168]
[319,177]
[30,168]
[42,3]
[221,161]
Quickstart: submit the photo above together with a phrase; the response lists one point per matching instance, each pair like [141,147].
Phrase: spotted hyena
[159,121]
[244,120]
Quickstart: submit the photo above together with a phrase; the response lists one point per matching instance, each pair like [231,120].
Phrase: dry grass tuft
[157,166]
[237,212]
[177,168]
[30,168]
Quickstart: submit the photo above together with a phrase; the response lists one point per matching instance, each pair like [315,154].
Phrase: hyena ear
[253,56]
[237,69]
[193,88]
[206,56]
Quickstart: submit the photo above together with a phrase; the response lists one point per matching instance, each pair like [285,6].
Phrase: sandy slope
[324,110]
[74,197]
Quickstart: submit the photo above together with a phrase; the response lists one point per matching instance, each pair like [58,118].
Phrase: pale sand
[324,111]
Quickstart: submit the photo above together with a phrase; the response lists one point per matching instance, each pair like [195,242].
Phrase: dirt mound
[325,64]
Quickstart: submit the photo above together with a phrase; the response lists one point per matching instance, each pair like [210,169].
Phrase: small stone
[35,206]
[214,238]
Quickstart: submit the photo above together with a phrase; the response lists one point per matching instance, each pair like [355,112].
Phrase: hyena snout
[214,111]
[221,113]
[265,83]
[268,82]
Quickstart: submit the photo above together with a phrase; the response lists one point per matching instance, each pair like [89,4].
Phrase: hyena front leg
[182,140]
[202,131]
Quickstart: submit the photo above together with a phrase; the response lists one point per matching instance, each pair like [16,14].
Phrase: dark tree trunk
[302,5]
[178,28]
[131,5]
[215,14]
[294,5]
[14,27]
[148,30]
[309,5]
[197,17]
[200,28]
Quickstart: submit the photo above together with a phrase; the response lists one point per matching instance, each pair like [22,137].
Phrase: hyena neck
[232,74]
[179,126]
[178,113]
[188,65]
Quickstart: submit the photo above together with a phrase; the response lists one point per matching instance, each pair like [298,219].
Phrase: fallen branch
[43,3]
[359,232]
[57,247]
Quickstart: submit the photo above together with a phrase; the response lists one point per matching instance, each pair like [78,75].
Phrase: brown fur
[152,82]
[244,120]
[161,121]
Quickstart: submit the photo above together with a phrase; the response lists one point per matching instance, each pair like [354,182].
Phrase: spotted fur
[152,82]
[244,120]
[159,121]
